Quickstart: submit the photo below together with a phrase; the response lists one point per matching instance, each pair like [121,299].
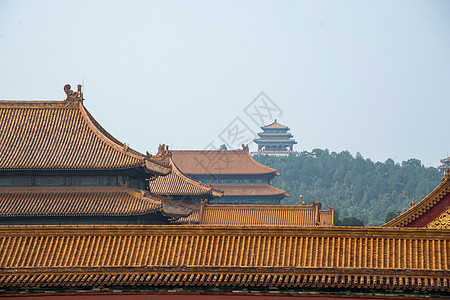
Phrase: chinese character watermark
[262,110]
[237,133]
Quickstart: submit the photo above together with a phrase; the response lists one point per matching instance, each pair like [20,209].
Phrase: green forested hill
[354,186]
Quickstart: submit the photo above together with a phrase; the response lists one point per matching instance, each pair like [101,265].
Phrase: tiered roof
[220,162]
[107,201]
[51,138]
[62,135]
[432,212]
[134,257]
[445,165]
[231,171]
[176,184]
[275,125]
[275,133]
[260,215]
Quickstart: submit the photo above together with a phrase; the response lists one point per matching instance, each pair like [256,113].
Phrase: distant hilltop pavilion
[275,140]
[445,165]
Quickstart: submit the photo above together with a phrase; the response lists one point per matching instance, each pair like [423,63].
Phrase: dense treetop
[354,186]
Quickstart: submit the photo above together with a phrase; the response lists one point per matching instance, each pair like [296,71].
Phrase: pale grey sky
[367,76]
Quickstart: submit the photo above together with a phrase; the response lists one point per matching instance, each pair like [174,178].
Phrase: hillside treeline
[354,186]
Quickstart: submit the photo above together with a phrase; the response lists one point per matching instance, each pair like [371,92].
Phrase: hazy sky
[367,76]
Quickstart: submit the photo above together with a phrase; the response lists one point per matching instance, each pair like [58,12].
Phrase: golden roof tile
[219,256]
[61,135]
[260,215]
[77,201]
[220,162]
[178,184]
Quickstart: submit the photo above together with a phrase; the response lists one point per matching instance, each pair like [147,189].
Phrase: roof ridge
[259,206]
[107,137]
[277,173]
[220,162]
[81,133]
[192,181]
[21,103]
[209,150]
[70,189]
[273,123]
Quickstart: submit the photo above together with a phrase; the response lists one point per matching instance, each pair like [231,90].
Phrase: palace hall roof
[432,212]
[250,189]
[259,215]
[62,135]
[219,162]
[224,258]
[81,201]
[178,184]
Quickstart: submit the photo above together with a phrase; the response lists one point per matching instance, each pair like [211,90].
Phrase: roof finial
[300,201]
[276,121]
[163,150]
[71,95]
[447,173]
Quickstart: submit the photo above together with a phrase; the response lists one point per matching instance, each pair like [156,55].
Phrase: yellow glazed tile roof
[219,162]
[260,215]
[178,184]
[178,256]
[111,201]
[56,135]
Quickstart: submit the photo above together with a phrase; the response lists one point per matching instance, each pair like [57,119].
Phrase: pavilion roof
[219,162]
[259,215]
[81,201]
[282,257]
[62,135]
[445,160]
[178,184]
[275,125]
[432,212]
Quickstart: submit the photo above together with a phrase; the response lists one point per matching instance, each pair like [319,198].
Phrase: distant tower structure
[275,140]
[445,165]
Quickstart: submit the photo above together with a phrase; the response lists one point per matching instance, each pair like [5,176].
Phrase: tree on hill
[390,215]
[357,187]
